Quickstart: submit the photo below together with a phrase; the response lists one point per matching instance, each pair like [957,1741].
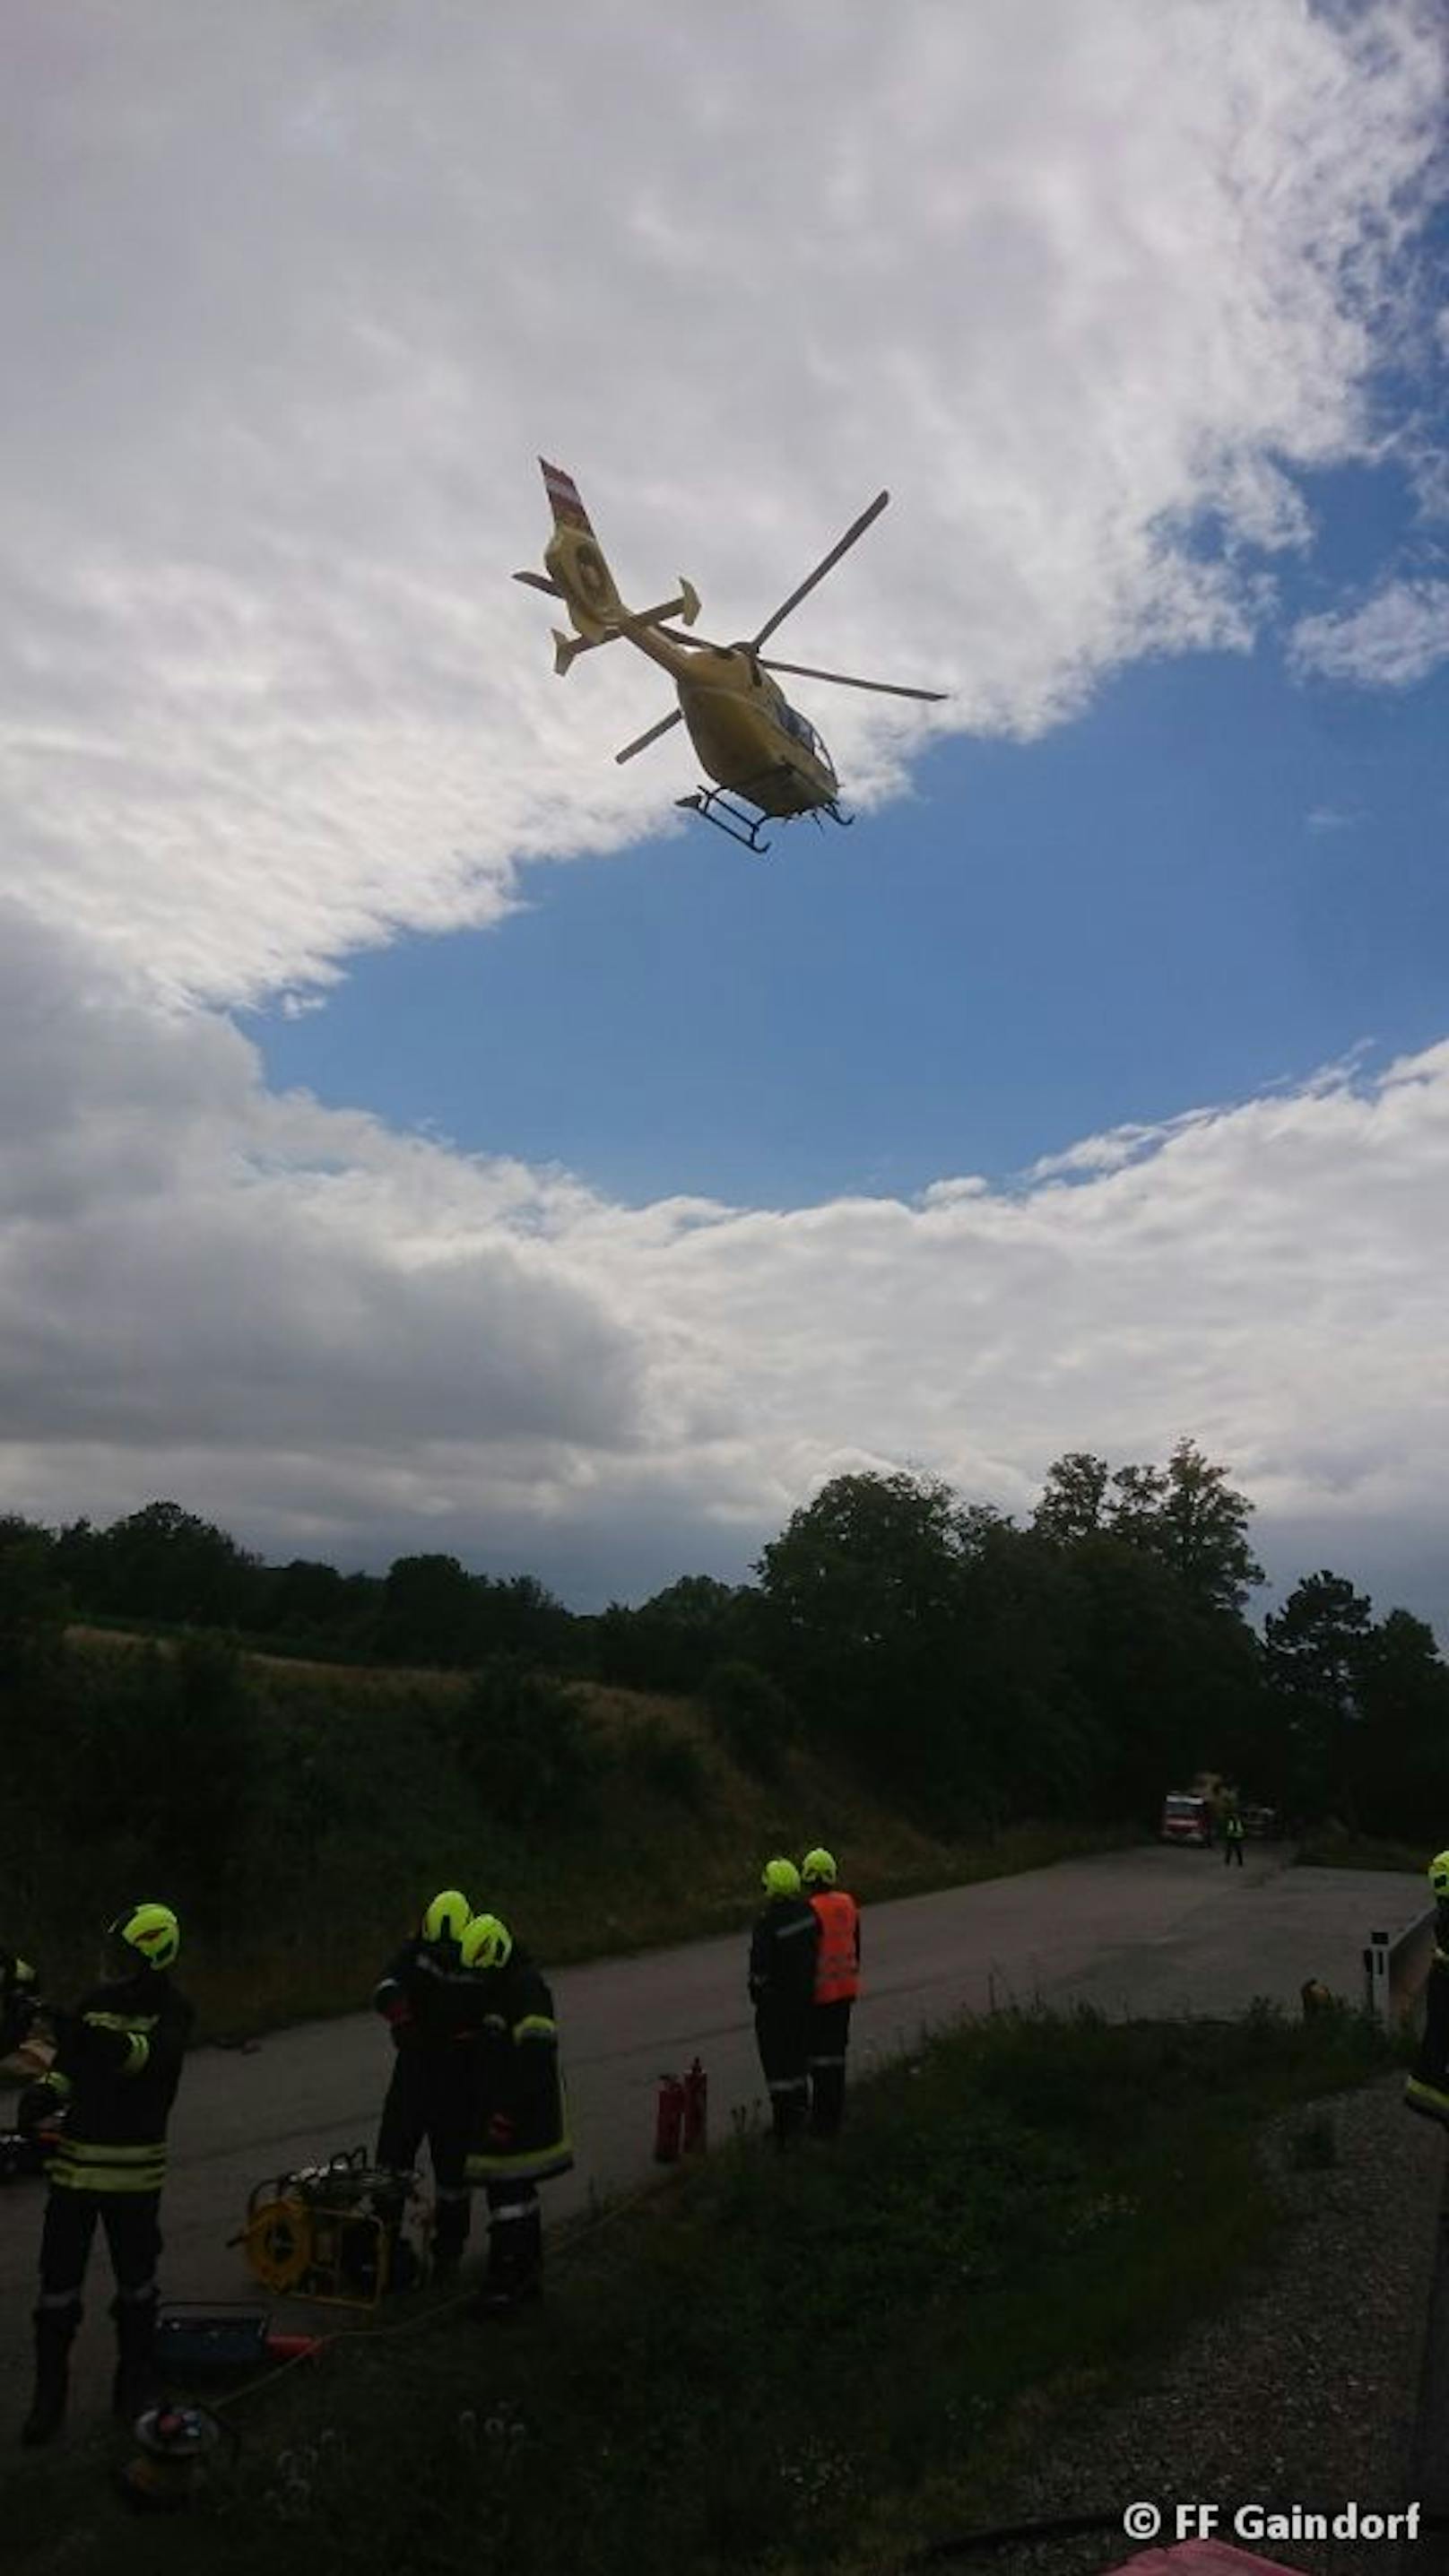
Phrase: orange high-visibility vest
[837,1962]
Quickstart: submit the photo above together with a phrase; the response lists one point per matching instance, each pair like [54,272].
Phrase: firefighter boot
[515,2260]
[135,2386]
[54,2335]
[400,2262]
[452,2212]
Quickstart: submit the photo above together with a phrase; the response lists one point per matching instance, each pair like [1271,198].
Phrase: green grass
[790,2365]
[363,1808]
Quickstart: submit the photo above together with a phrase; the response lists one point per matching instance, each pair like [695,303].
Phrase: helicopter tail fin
[575,562]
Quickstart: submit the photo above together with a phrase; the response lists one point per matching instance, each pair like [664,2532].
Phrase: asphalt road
[1154,1931]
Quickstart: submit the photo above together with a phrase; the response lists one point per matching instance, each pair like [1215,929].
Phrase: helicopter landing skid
[703,802]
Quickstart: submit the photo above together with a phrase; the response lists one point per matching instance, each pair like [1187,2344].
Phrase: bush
[523,1743]
[755,1719]
[669,1762]
[164,1769]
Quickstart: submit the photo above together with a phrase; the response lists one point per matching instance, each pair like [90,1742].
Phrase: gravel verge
[1305,2391]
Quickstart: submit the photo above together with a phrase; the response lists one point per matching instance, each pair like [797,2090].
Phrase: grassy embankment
[1334,1847]
[782,2366]
[363,1807]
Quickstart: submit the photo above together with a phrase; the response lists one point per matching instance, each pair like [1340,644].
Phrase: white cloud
[293,296]
[342,1340]
[1393,641]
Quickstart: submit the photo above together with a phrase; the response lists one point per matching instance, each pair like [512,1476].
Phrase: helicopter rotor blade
[842,680]
[827,564]
[643,740]
[540,581]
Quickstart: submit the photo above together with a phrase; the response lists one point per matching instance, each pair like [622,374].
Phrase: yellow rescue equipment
[328,2231]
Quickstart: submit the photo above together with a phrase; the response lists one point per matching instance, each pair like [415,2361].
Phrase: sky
[415,1132]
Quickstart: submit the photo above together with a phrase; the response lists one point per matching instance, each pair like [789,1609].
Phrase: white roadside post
[1395,1964]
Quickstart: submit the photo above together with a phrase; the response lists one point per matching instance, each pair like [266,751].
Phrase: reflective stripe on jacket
[117,2065]
[782,1955]
[516,2073]
[837,1961]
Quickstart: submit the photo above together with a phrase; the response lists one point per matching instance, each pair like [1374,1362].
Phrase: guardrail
[1395,1965]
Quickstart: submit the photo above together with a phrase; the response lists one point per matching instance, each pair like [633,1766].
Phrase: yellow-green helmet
[487,1943]
[1439,1873]
[448,1917]
[150,1932]
[819,1865]
[780,1878]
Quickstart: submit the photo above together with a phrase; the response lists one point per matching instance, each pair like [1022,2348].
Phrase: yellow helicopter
[749,738]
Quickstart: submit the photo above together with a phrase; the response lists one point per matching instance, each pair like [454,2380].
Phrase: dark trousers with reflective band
[132,2234]
[783,2036]
[1233,1850]
[829,2040]
[431,2099]
[515,2235]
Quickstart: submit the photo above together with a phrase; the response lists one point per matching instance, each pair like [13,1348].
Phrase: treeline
[983,1671]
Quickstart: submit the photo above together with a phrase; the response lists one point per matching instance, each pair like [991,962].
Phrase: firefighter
[1426,2088]
[116,2067]
[837,1983]
[520,2131]
[429,2003]
[17,2001]
[1232,1839]
[783,1950]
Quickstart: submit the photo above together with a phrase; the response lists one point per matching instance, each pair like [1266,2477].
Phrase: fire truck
[1187,1817]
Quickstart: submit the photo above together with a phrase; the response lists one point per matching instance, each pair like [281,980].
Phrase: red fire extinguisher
[696,2108]
[669,2120]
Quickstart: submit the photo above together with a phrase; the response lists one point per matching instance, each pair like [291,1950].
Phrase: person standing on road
[429,2003]
[1232,1839]
[837,1983]
[1426,2087]
[783,1950]
[116,2068]
[519,2132]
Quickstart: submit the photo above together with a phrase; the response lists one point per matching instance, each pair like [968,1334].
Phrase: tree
[1399,1750]
[1201,1531]
[160,1563]
[1166,1682]
[868,1628]
[1074,1500]
[1315,1651]
[429,1612]
[872,1560]
[1136,1511]
[34,1603]
[673,1640]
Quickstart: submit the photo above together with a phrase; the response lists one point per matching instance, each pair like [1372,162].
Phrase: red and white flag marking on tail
[563,493]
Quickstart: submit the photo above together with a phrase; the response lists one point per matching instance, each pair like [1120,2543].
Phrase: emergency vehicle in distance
[1187,1818]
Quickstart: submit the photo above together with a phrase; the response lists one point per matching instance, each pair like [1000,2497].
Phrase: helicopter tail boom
[567,648]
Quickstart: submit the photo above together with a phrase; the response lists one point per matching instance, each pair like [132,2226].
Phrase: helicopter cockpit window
[803,731]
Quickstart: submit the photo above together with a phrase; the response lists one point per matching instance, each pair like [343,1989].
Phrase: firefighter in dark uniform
[17,2001]
[520,2115]
[429,2003]
[1232,1839]
[837,1983]
[1426,2088]
[783,1949]
[116,2067]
